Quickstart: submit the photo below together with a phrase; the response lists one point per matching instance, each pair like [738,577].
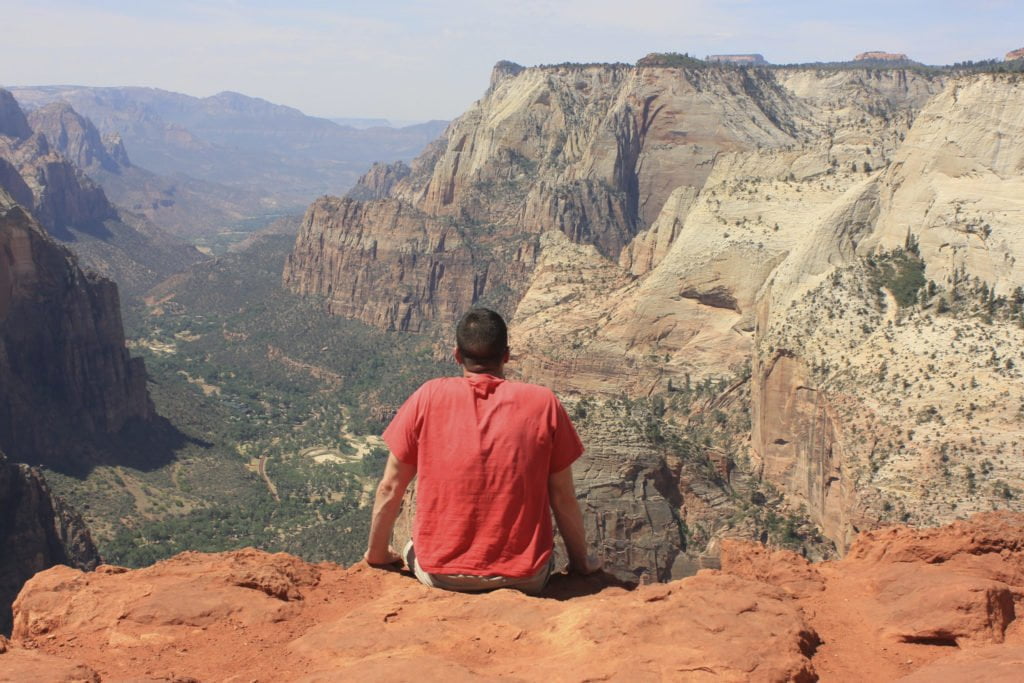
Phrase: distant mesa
[1015,54]
[878,55]
[670,59]
[752,59]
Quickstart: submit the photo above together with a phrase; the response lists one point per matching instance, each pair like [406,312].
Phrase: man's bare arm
[386,505]
[569,518]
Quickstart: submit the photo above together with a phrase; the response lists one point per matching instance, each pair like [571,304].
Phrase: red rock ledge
[924,605]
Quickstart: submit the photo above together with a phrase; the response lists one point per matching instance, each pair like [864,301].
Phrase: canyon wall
[868,408]
[64,367]
[593,152]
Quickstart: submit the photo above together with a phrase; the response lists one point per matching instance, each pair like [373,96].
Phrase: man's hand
[389,557]
[591,565]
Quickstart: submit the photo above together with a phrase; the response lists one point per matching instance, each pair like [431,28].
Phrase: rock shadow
[144,445]
[561,587]
[564,586]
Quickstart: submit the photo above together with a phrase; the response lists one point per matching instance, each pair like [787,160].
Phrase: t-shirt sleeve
[566,446]
[403,434]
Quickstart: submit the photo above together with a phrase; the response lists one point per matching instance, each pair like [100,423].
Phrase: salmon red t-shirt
[483,448]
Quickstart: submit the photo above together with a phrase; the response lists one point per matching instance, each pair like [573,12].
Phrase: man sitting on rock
[492,457]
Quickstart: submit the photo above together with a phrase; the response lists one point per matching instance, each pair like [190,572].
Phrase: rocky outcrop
[13,123]
[76,138]
[763,243]
[62,197]
[378,181]
[425,260]
[613,157]
[65,371]
[883,613]
[797,439]
[66,201]
[1015,54]
[776,242]
[37,531]
[15,186]
[859,407]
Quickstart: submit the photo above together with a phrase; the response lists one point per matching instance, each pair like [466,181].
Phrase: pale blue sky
[417,60]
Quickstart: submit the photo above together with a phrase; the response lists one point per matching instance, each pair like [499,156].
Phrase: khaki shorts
[472,583]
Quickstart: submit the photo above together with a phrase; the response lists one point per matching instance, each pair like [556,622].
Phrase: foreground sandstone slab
[930,604]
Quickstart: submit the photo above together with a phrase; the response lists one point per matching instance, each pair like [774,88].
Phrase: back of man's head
[482,338]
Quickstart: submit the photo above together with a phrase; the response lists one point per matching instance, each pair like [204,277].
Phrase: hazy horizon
[414,61]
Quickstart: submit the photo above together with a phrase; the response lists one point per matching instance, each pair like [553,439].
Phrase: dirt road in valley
[261,469]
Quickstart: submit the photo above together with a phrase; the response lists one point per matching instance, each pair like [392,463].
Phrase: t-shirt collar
[483,384]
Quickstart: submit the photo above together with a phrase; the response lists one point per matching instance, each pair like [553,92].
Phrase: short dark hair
[482,338]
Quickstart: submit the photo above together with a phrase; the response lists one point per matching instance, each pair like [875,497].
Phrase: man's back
[483,449]
[492,457]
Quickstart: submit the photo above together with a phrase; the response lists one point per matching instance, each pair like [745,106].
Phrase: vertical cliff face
[67,200]
[37,531]
[76,137]
[405,269]
[800,448]
[378,182]
[64,367]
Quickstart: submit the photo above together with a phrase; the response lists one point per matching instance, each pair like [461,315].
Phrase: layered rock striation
[611,157]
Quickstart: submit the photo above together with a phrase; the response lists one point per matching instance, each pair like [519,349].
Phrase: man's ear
[458,356]
[507,355]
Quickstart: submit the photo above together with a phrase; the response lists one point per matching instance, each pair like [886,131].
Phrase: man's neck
[499,372]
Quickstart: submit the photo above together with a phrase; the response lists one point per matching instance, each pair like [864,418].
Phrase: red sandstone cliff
[931,605]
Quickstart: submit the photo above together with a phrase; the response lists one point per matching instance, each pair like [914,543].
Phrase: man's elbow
[389,489]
